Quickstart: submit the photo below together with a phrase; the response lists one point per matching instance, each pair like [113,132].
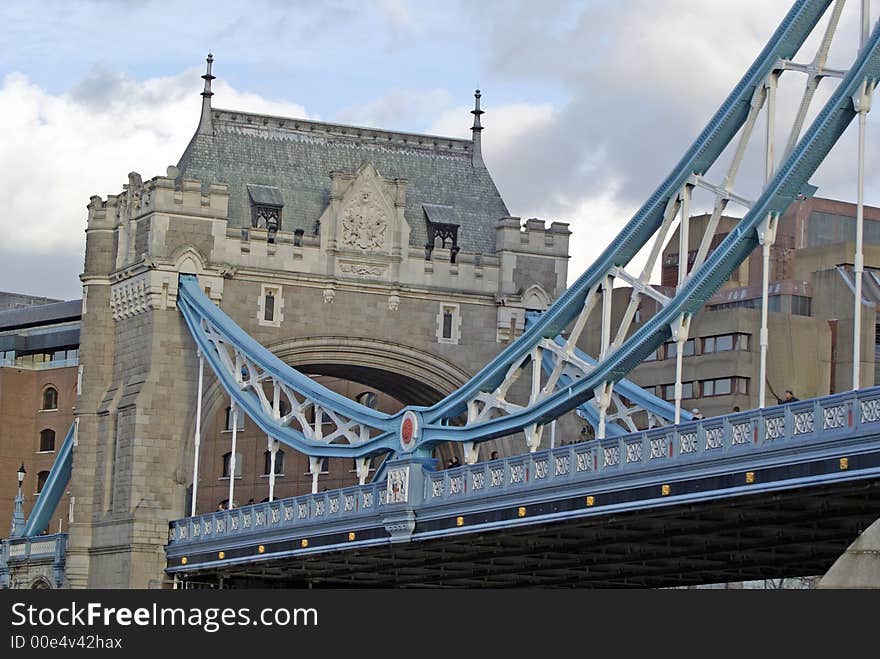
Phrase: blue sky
[587,103]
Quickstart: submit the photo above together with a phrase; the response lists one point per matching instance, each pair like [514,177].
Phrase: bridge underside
[797,532]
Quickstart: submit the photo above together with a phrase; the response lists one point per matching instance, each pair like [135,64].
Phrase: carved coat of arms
[364,222]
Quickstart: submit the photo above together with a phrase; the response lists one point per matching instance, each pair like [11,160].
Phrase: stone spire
[205,125]
[476,129]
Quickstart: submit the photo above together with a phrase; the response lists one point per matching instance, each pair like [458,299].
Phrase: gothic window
[42,477]
[441,222]
[266,205]
[47,440]
[269,306]
[229,419]
[227,465]
[50,399]
[279,463]
[448,323]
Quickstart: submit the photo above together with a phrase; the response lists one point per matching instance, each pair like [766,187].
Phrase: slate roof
[296,156]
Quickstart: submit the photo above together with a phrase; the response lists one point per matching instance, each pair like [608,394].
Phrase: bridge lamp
[21,473]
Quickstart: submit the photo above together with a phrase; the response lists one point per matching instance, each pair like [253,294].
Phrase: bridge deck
[766,493]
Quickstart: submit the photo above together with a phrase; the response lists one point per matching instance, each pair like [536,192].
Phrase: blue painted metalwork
[781,191]
[643,399]
[846,424]
[202,317]
[53,489]
[45,549]
[435,427]
[711,142]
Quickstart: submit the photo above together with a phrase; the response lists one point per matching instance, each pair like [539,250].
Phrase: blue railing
[43,549]
[774,433]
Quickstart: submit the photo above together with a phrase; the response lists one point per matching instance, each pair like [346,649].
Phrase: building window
[668,391]
[449,323]
[368,399]
[47,440]
[725,343]
[229,420]
[279,463]
[800,304]
[50,399]
[269,306]
[724,387]
[672,349]
[227,464]
[42,477]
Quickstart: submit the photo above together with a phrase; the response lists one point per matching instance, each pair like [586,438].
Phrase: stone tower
[384,256]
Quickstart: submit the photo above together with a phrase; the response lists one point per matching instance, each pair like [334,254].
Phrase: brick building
[39,358]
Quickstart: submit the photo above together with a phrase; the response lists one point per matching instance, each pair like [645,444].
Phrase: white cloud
[58,150]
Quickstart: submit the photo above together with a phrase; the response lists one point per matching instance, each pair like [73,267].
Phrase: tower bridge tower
[382,257]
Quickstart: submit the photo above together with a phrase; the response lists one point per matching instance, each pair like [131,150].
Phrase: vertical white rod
[866,19]
[683,237]
[607,291]
[679,356]
[683,258]
[273,451]
[765,285]
[553,434]
[859,258]
[198,437]
[232,459]
[273,444]
[771,123]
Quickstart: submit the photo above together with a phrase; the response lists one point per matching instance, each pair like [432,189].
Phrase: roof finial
[477,128]
[205,125]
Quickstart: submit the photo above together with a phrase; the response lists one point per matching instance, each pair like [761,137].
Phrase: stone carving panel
[364,222]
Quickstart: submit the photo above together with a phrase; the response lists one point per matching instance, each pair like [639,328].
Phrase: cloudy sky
[588,104]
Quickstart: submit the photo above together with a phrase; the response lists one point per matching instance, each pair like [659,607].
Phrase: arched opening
[50,399]
[279,463]
[227,465]
[47,440]
[381,375]
[41,583]
[42,477]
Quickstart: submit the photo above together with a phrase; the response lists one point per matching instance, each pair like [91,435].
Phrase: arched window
[229,419]
[227,460]
[368,399]
[50,399]
[47,440]
[41,480]
[279,463]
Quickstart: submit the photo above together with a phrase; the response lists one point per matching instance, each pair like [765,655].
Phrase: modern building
[39,363]
[810,320]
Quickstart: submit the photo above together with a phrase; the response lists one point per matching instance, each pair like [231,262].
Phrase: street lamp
[18,511]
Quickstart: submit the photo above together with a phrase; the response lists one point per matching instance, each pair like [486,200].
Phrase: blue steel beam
[718,133]
[789,180]
[197,308]
[644,399]
[53,489]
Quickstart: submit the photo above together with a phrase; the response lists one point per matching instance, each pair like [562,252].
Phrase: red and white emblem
[409,430]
